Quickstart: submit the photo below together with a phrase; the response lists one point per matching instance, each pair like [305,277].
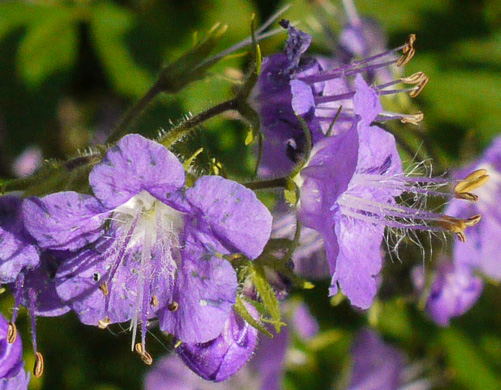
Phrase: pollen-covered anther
[103,324]
[154,301]
[474,180]
[11,333]
[413,118]
[408,51]
[38,367]
[104,288]
[458,225]
[145,356]
[173,306]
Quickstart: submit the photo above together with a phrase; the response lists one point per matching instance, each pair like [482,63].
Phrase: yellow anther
[154,301]
[11,333]
[458,225]
[413,119]
[103,324]
[474,180]
[104,288]
[145,356]
[38,367]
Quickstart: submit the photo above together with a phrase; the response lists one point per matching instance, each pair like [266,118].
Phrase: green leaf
[244,313]
[50,45]
[470,368]
[267,294]
[109,23]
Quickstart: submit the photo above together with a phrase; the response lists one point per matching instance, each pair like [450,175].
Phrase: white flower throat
[148,231]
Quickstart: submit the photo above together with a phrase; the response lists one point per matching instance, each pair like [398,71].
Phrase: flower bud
[219,359]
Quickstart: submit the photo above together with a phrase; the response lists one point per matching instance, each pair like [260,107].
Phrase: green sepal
[244,313]
[266,294]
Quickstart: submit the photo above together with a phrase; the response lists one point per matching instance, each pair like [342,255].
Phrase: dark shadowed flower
[376,365]
[453,292]
[12,374]
[347,193]
[144,245]
[17,248]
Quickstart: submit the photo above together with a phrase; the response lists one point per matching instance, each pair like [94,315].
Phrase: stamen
[408,51]
[38,367]
[458,225]
[412,118]
[145,356]
[154,301]
[473,181]
[11,333]
[104,288]
[103,324]
[173,307]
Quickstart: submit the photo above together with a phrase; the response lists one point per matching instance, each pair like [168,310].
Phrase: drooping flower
[321,91]
[29,271]
[481,251]
[453,292]
[221,358]
[347,193]
[12,374]
[144,246]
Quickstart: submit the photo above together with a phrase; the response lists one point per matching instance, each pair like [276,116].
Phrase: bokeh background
[70,69]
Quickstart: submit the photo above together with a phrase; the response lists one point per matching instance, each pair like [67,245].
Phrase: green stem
[281,182]
[134,112]
[184,128]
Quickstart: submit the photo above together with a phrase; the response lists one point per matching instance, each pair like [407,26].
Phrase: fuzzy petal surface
[233,213]
[205,292]
[64,220]
[133,165]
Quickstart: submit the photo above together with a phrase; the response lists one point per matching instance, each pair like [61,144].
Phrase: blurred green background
[70,69]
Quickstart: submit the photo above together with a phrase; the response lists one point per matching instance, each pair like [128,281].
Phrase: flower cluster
[146,240]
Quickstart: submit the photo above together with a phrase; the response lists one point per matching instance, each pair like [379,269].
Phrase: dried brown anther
[103,324]
[11,333]
[104,288]
[145,356]
[413,119]
[38,367]
[173,306]
[474,180]
[408,51]
[154,301]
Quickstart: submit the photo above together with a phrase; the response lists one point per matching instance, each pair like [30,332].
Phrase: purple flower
[347,193]
[144,246]
[304,324]
[221,358]
[12,374]
[17,248]
[481,251]
[340,199]
[376,365]
[453,292]
[263,372]
[28,162]
[284,139]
